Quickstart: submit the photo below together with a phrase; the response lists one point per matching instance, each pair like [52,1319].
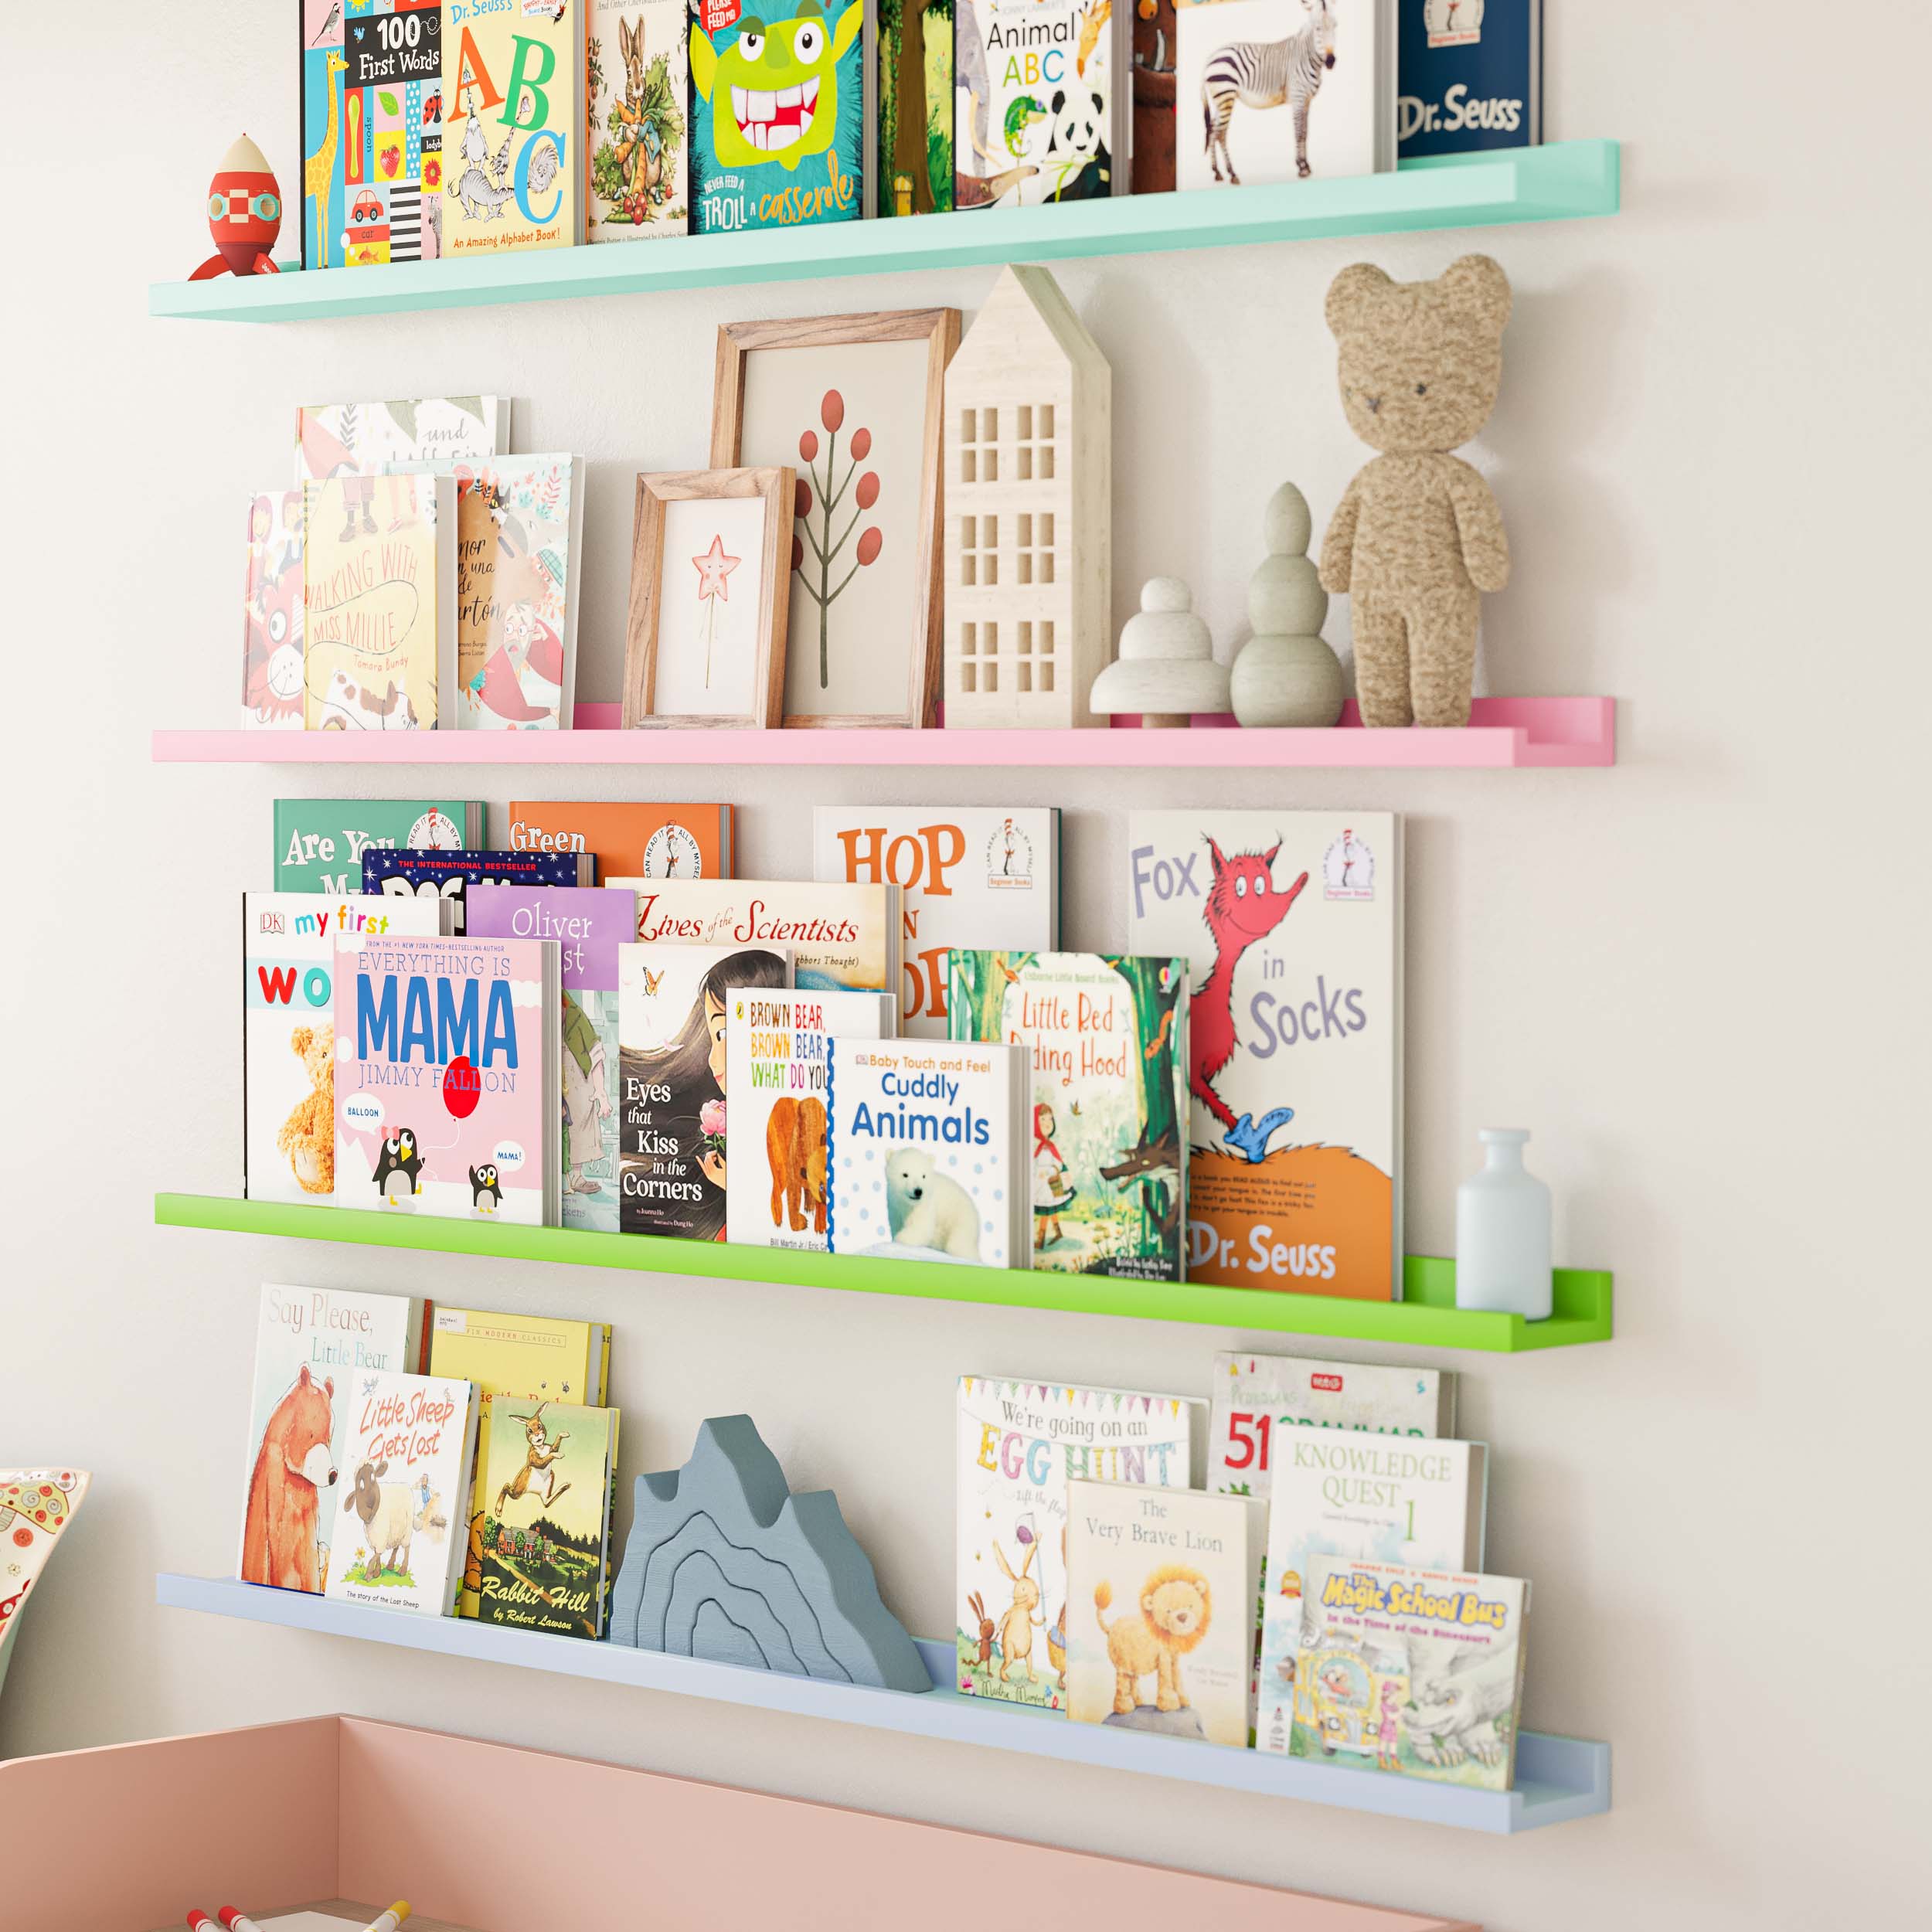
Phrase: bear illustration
[795,1152]
[308,1137]
[278,1534]
[929,1210]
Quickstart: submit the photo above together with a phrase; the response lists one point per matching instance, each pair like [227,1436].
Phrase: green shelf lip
[1559,181]
[1427,1318]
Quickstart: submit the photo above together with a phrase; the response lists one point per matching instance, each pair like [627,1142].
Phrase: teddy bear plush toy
[1417,537]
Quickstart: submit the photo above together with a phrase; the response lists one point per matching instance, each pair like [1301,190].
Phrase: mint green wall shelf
[1426,1317]
[1552,183]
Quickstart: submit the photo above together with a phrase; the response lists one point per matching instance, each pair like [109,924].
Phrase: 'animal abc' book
[1034,112]
[1293,923]
[639,128]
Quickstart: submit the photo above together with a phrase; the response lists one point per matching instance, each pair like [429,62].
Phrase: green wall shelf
[1426,1317]
[1553,183]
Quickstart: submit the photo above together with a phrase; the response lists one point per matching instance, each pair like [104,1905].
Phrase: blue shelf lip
[1557,1778]
[1562,180]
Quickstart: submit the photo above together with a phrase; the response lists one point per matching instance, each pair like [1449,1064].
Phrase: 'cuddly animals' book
[1018,1443]
[319,843]
[639,131]
[628,841]
[842,938]
[398,1508]
[272,613]
[1108,1128]
[357,439]
[1160,1587]
[1293,921]
[408,873]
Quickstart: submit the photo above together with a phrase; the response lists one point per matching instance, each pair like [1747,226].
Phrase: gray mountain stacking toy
[1284,674]
[725,1563]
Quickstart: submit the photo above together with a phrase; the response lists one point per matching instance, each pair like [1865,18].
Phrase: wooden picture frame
[914,544]
[762,686]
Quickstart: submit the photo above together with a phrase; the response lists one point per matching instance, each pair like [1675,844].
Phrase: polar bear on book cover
[929,1210]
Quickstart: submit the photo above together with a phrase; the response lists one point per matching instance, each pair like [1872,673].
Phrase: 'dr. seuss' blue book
[1470,76]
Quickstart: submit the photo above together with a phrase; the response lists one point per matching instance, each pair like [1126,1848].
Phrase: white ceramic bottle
[1502,1232]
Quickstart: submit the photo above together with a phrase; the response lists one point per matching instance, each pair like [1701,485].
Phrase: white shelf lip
[1557,1778]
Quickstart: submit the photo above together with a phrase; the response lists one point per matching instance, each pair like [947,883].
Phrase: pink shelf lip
[1502,733]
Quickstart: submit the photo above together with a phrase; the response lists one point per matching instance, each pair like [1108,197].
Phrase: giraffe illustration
[319,169]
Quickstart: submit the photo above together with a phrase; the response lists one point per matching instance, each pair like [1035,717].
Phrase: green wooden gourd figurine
[1285,674]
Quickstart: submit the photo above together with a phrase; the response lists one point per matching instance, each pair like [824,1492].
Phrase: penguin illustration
[485,1192]
[398,1168]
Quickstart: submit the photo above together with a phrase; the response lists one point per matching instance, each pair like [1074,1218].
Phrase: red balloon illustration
[461,1089]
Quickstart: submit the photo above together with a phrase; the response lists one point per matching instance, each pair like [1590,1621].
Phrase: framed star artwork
[710,596]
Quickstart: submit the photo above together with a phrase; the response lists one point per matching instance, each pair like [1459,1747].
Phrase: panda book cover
[777,1059]
[397,1510]
[1018,1445]
[1292,924]
[447,1097]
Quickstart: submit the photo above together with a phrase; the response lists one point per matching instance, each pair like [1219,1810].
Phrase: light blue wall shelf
[1553,183]
[1557,1778]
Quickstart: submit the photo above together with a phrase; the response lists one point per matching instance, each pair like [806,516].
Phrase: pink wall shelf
[1503,733]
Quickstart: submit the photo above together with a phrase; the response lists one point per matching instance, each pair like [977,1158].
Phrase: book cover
[319,843]
[1469,77]
[407,873]
[1413,1672]
[513,115]
[967,875]
[1293,922]
[1160,1582]
[914,111]
[288,1032]
[1035,106]
[673,1003]
[322,67]
[358,439]
[1017,1444]
[589,925]
[272,675]
[777,115]
[406,1462]
[545,1541]
[627,841]
[1156,122]
[392,132]
[1108,1130]
[842,938]
[311,1345]
[378,603]
[778,1053]
[446,1092]
[637,81]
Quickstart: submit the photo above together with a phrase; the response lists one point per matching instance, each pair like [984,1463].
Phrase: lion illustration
[1175,1610]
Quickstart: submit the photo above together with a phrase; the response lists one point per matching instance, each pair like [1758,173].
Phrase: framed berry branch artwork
[853,404]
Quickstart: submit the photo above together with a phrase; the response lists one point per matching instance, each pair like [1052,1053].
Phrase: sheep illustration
[388,1520]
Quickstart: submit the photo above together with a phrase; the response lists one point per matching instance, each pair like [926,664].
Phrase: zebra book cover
[1035,107]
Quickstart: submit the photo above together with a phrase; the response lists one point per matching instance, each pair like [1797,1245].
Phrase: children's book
[1160,1584]
[589,926]
[1416,1672]
[272,613]
[913,116]
[288,1032]
[392,132]
[1293,922]
[319,22]
[357,439]
[319,843]
[406,872]
[628,841]
[311,1347]
[1469,77]
[446,1098]
[1108,1126]
[1017,1443]
[842,938]
[378,603]
[405,1465]
[1156,126]
[673,1002]
[544,1545]
[778,1053]
[777,115]
[638,142]
[513,111]
[968,876]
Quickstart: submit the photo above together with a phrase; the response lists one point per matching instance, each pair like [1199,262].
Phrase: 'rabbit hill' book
[913,174]
[639,133]
[407,873]
[777,115]
[1415,1671]
[1293,921]
[544,1548]
[968,876]
[842,938]
[1017,1444]
[392,132]
[627,841]
[1160,1584]
[673,1002]
[446,1097]
[589,926]
[272,670]
[777,1054]
[404,1471]
[1109,1123]
[357,439]
[319,843]
[1470,76]
[312,1346]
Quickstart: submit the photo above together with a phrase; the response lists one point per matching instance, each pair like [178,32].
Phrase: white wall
[1692,975]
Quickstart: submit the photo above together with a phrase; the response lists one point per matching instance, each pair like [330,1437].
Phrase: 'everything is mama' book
[1293,923]
[319,843]
[627,841]
[639,119]
[841,937]
[409,873]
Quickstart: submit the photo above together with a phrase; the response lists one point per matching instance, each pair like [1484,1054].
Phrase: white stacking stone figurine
[1285,674]
[1165,670]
